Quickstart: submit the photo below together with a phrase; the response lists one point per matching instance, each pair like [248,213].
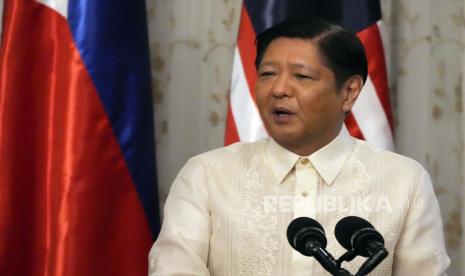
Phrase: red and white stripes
[244,122]
[372,111]
[249,125]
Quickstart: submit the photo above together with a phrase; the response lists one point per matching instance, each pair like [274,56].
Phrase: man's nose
[281,87]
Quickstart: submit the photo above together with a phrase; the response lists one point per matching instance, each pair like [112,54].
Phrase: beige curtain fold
[191,43]
[427,55]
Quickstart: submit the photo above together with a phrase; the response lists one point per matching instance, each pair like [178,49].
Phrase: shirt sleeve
[183,244]
[421,249]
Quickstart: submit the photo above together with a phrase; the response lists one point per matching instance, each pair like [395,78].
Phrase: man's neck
[309,145]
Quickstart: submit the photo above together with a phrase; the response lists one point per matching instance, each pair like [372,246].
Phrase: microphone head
[304,229]
[351,232]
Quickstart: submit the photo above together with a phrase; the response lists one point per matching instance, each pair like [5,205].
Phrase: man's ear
[351,89]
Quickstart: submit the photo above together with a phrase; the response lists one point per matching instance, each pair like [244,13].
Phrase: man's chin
[284,140]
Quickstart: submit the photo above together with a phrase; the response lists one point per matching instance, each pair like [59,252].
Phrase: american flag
[371,117]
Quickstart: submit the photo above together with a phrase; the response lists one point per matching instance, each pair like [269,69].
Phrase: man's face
[297,96]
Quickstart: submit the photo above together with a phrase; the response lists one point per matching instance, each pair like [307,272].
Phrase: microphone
[360,237]
[307,236]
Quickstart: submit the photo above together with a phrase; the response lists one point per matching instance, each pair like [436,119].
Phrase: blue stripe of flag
[112,38]
[354,15]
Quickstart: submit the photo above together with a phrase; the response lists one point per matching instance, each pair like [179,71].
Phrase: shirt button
[305,194]
[304,161]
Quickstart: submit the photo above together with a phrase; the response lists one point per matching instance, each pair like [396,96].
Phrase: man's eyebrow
[304,66]
[308,67]
[296,65]
[267,63]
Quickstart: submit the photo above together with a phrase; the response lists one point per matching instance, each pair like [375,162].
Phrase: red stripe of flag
[231,135]
[247,49]
[371,40]
[245,39]
[353,127]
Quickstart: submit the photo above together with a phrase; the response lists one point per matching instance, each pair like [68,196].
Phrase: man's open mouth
[282,112]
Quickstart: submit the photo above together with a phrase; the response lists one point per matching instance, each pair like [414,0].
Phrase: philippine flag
[78,189]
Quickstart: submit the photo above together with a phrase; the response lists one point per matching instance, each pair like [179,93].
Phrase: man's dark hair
[341,50]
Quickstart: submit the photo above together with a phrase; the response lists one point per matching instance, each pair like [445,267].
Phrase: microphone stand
[325,259]
[367,266]
[348,256]
[372,262]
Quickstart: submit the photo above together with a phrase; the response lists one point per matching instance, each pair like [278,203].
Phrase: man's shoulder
[239,151]
[373,153]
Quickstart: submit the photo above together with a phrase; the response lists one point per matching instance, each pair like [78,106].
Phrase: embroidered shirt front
[228,210]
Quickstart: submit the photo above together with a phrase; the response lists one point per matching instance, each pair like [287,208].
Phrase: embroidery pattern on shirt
[257,231]
[354,180]
[352,188]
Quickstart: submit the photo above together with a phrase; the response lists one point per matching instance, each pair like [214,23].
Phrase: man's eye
[266,74]
[302,77]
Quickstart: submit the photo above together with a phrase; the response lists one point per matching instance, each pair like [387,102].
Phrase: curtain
[191,48]
[426,57]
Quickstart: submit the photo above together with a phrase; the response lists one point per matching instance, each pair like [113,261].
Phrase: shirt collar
[280,159]
[328,160]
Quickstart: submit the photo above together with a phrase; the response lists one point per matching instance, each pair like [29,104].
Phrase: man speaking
[228,209]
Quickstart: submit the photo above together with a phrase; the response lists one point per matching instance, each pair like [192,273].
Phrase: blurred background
[191,47]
